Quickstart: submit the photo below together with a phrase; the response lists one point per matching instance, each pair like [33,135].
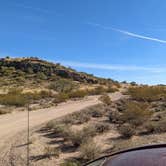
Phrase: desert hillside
[38,83]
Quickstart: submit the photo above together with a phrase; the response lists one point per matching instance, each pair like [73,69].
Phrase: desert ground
[14,126]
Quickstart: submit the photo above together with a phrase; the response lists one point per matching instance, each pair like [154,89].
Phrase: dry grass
[148,93]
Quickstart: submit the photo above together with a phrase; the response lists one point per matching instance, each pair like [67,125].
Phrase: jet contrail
[128,33]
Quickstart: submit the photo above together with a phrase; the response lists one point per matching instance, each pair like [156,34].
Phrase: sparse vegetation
[95,111]
[78,94]
[59,98]
[135,113]
[15,97]
[13,100]
[42,81]
[126,130]
[102,127]
[2,111]
[76,118]
[70,163]
[148,93]
[77,137]
[51,151]
[105,99]
[90,150]
[63,85]
[111,124]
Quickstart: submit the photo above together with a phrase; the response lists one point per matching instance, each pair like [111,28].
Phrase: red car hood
[151,155]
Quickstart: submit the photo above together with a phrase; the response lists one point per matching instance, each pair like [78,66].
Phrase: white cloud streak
[128,33]
[114,67]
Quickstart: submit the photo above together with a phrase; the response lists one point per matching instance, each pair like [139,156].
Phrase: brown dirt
[13,126]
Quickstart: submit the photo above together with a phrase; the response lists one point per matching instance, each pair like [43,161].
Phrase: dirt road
[12,124]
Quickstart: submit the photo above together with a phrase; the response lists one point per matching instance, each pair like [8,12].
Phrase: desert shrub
[111,89]
[97,91]
[105,99]
[115,117]
[51,124]
[2,111]
[32,96]
[51,152]
[81,118]
[7,71]
[117,84]
[160,126]
[147,93]
[76,118]
[45,94]
[154,127]
[79,136]
[13,100]
[126,130]
[76,137]
[20,80]
[61,97]
[90,150]
[69,119]
[41,75]
[58,128]
[135,113]
[15,90]
[78,94]
[95,111]
[70,163]
[102,127]
[89,131]
[62,86]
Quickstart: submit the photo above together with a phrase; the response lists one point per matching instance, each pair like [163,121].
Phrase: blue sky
[123,40]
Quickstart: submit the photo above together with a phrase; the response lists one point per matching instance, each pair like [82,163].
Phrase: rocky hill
[44,70]
[35,81]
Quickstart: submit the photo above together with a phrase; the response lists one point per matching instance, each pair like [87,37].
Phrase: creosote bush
[148,93]
[62,85]
[58,128]
[90,150]
[95,111]
[111,89]
[77,137]
[70,163]
[97,91]
[76,118]
[114,117]
[102,127]
[13,100]
[15,97]
[126,130]
[105,99]
[61,97]
[154,127]
[78,94]
[51,152]
[136,113]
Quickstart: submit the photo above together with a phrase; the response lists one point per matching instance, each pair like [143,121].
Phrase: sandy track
[12,124]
